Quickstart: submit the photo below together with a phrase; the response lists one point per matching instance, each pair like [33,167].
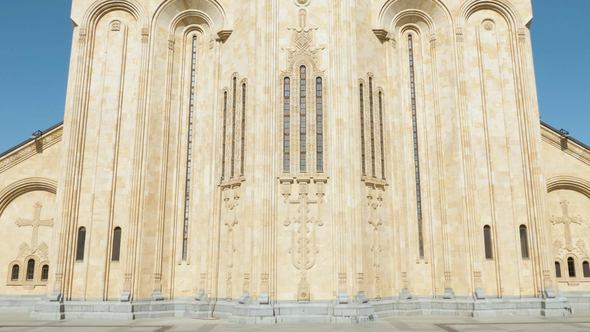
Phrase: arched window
[303,119]
[14,273]
[557,270]
[189,145]
[30,269]
[243,130]
[116,244]
[319,115]
[362,109]
[414,107]
[487,238]
[586,269]
[80,244]
[524,243]
[381,135]
[233,128]
[45,272]
[571,267]
[287,125]
[372,127]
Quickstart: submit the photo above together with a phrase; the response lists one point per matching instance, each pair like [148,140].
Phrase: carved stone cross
[567,221]
[304,248]
[36,222]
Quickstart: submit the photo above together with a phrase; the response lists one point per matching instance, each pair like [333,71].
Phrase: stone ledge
[289,312]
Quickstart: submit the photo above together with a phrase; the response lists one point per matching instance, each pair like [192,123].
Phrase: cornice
[31,147]
[562,141]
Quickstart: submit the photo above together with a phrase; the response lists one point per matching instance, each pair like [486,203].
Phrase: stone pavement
[444,324]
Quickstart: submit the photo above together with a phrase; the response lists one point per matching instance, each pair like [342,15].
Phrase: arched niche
[502,7]
[21,187]
[431,15]
[569,183]
[99,9]
[175,14]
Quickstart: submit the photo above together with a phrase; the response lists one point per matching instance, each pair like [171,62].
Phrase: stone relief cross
[36,222]
[304,247]
[231,200]
[567,221]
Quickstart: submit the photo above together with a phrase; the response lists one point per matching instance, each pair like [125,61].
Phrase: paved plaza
[445,324]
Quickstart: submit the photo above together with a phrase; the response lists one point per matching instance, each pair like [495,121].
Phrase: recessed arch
[21,187]
[100,8]
[394,12]
[565,182]
[502,7]
[171,12]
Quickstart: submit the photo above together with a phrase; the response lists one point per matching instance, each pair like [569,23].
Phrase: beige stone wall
[567,171]
[28,179]
[315,233]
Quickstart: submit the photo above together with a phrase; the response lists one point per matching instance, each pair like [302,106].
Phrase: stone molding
[31,148]
[24,186]
[565,144]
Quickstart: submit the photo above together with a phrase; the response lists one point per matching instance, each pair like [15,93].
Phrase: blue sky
[34,57]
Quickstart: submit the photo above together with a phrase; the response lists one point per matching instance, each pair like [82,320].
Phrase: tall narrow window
[524,243]
[224,138]
[30,269]
[362,108]
[80,244]
[243,131]
[557,270]
[116,244]
[571,267]
[45,272]
[487,239]
[416,149]
[586,269]
[302,119]
[15,273]
[319,111]
[233,128]
[287,125]
[189,146]
[372,127]
[381,135]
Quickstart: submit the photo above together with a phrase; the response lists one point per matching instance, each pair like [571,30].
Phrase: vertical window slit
[81,242]
[233,129]
[372,127]
[416,149]
[45,273]
[381,135]
[31,269]
[116,254]
[487,239]
[362,109]
[302,119]
[224,137]
[243,130]
[189,148]
[571,267]
[15,273]
[287,125]
[319,125]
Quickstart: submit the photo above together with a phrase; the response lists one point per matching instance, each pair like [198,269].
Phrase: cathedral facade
[268,160]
